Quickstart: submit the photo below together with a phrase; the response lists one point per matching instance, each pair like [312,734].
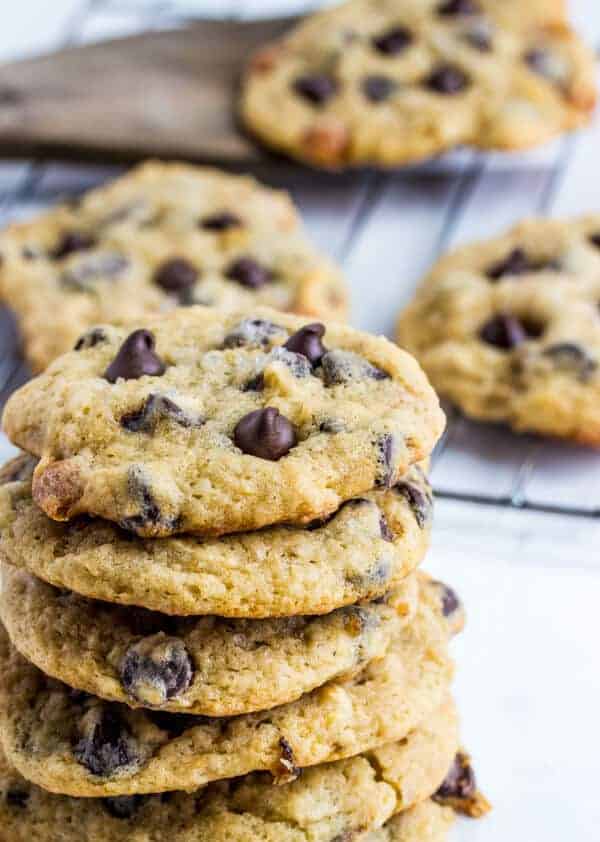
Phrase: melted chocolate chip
[480,38]
[176,275]
[71,242]
[18,798]
[84,274]
[571,358]
[518,263]
[220,222]
[541,61]
[418,500]
[393,41]
[458,7]
[107,745]
[385,461]
[287,771]
[332,425]
[154,409]
[316,89]
[450,601]
[139,489]
[595,239]
[135,358]
[447,79]
[344,366]
[251,333]
[124,806]
[156,669]
[378,88]
[506,332]
[265,433]
[298,364]
[93,337]
[249,273]
[307,341]
[460,780]
[386,532]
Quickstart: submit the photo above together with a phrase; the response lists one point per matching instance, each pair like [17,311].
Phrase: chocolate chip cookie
[509,329]
[210,423]
[347,799]
[76,744]
[388,82]
[161,236]
[360,553]
[205,665]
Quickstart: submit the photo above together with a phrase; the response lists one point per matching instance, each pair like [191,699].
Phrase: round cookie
[162,235]
[279,571]
[204,665]
[76,744]
[394,82]
[508,329]
[209,423]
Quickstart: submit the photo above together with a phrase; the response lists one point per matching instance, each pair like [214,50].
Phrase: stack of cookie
[214,627]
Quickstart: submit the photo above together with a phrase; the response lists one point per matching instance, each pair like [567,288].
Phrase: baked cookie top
[206,422]
[389,82]
[361,552]
[160,236]
[509,329]
[205,665]
[75,744]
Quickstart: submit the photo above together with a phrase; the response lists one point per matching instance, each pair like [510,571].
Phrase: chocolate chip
[332,425]
[107,744]
[458,7]
[83,275]
[450,601]
[504,331]
[220,222]
[447,79]
[316,89]
[386,532]
[307,341]
[18,798]
[420,502]
[156,669]
[393,41]
[265,433]
[124,806]
[154,409]
[595,239]
[150,513]
[460,780]
[73,241]
[93,337]
[176,275]
[252,333]
[572,358]
[287,770]
[298,364]
[344,366]
[249,273]
[385,461]
[517,263]
[135,358]
[480,38]
[378,88]
[542,62]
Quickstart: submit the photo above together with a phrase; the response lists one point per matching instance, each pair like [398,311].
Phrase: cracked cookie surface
[204,422]
[509,329]
[69,742]
[389,82]
[279,571]
[204,665]
[161,236]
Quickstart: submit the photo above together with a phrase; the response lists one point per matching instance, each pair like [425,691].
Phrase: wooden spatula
[166,93]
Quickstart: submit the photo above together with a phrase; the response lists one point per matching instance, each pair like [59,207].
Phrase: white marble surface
[529,678]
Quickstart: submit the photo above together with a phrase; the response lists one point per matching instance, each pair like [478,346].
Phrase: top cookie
[210,423]
[389,82]
[163,235]
[508,329]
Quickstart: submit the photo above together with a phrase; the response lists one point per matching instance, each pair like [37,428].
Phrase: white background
[529,679]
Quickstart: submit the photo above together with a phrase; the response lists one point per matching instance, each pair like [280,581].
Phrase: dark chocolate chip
[316,89]
[332,425]
[93,337]
[460,780]
[83,275]
[220,221]
[386,532]
[135,358]
[265,433]
[71,242]
[249,273]
[251,333]
[540,61]
[287,770]
[385,461]
[344,366]
[298,364]
[517,263]
[307,341]
[124,806]
[156,669]
[393,41]
[479,38]
[570,357]
[419,501]
[176,275]
[450,601]
[595,239]
[378,88]
[18,798]
[107,745]
[139,489]
[458,7]
[447,79]
[153,410]
[504,331]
